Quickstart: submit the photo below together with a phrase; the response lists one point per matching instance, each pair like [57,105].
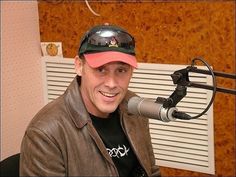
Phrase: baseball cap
[107,43]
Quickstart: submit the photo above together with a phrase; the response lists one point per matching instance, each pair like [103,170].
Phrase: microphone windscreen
[150,109]
[133,105]
[144,107]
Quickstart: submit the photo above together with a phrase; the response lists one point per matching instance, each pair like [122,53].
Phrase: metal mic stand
[181,78]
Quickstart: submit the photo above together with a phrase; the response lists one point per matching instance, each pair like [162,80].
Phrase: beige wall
[22,91]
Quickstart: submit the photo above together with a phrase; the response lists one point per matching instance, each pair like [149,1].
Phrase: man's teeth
[108,94]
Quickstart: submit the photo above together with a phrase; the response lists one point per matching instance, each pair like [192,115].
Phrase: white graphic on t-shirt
[118,152]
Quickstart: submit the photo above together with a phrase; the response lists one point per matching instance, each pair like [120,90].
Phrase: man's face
[104,88]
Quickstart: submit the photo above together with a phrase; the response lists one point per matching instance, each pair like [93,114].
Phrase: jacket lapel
[136,139]
[99,142]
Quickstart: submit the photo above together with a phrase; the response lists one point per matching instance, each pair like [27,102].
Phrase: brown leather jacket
[61,140]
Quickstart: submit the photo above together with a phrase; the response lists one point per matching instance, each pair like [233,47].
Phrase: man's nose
[111,81]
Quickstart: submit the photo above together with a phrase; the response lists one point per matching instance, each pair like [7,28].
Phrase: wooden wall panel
[171,32]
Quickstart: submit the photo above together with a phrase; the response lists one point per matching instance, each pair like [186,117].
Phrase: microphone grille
[133,105]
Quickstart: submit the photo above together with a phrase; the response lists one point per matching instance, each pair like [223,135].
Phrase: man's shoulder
[50,115]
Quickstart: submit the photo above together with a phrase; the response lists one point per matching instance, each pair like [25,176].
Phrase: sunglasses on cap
[107,38]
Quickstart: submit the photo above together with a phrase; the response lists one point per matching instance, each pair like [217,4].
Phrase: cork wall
[169,32]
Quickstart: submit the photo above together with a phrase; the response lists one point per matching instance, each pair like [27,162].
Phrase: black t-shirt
[117,145]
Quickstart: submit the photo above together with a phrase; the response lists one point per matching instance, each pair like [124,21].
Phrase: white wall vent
[181,144]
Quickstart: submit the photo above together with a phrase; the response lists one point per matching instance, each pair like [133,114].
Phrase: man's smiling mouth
[108,94]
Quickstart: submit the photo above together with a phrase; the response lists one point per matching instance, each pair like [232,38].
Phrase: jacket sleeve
[40,156]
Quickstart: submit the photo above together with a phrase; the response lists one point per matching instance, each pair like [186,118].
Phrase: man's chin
[109,110]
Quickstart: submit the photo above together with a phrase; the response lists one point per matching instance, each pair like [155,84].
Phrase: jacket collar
[75,104]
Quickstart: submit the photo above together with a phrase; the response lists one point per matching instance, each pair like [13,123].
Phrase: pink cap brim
[101,58]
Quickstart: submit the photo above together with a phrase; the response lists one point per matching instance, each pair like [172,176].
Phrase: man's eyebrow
[123,64]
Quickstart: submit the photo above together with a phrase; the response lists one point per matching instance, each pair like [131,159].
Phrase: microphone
[148,108]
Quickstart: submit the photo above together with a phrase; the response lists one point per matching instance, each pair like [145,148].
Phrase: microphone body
[150,109]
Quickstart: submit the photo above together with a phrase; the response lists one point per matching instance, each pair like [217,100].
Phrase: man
[87,131]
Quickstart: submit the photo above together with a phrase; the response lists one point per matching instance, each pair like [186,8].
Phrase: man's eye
[101,70]
[122,70]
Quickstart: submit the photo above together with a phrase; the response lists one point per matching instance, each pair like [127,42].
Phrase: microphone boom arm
[181,78]
[184,81]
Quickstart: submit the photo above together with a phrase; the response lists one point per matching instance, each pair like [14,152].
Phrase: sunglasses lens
[110,38]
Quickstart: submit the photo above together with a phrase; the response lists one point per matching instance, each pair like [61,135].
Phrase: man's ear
[78,65]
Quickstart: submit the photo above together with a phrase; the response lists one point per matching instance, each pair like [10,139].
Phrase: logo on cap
[113,42]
